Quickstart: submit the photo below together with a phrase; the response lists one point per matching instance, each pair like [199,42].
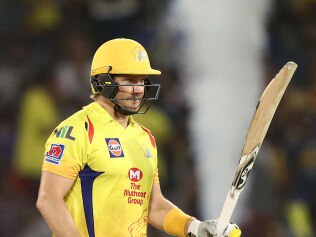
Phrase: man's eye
[128,81]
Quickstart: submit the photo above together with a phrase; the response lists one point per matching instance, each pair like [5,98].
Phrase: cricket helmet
[118,57]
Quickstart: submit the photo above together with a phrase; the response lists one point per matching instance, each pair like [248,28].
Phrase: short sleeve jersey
[113,169]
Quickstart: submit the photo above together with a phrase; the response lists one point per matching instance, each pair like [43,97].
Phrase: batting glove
[208,229]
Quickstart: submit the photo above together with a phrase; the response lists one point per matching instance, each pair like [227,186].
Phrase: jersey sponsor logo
[55,153]
[135,174]
[115,148]
[64,132]
[135,194]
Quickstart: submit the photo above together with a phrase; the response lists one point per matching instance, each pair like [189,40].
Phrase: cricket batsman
[99,174]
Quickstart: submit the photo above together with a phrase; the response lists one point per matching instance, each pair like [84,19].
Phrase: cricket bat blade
[259,125]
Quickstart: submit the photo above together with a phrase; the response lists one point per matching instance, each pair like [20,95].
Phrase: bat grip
[227,211]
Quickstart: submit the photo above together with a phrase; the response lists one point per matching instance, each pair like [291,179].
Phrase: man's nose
[138,88]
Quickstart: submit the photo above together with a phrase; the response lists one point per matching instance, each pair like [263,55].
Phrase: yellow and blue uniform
[113,169]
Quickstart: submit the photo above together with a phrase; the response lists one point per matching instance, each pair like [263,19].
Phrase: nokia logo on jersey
[135,174]
[115,148]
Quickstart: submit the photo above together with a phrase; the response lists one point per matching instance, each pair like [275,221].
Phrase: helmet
[121,56]
[125,56]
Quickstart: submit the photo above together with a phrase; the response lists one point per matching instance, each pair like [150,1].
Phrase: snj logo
[114,147]
[135,174]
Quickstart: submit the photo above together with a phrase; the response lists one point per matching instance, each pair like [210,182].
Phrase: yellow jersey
[114,169]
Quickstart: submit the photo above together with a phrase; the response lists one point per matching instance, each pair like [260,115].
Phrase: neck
[109,107]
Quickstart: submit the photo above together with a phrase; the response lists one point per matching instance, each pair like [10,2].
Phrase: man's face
[130,95]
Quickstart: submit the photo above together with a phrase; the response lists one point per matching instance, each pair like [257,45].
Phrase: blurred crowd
[283,201]
[46,51]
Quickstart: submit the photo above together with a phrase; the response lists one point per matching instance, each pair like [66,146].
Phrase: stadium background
[46,50]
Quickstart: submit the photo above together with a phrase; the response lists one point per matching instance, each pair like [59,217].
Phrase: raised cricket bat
[263,115]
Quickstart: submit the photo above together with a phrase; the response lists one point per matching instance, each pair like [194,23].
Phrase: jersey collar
[101,114]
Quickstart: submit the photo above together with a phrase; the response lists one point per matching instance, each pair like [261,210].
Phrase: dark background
[46,51]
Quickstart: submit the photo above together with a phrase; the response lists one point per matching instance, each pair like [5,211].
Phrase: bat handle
[227,211]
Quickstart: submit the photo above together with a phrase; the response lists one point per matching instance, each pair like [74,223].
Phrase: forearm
[164,215]
[158,213]
[166,212]
[57,217]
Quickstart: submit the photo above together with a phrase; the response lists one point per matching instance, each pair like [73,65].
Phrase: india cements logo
[55,153]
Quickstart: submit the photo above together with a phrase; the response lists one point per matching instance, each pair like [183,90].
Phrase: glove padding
[208,229]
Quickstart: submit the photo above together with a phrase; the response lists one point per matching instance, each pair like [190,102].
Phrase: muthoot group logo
[134,193]
[135,174]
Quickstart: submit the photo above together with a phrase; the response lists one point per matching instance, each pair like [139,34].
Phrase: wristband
[175,221]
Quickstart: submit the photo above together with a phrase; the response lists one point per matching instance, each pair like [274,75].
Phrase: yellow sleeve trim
[175,221]
[58,172]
